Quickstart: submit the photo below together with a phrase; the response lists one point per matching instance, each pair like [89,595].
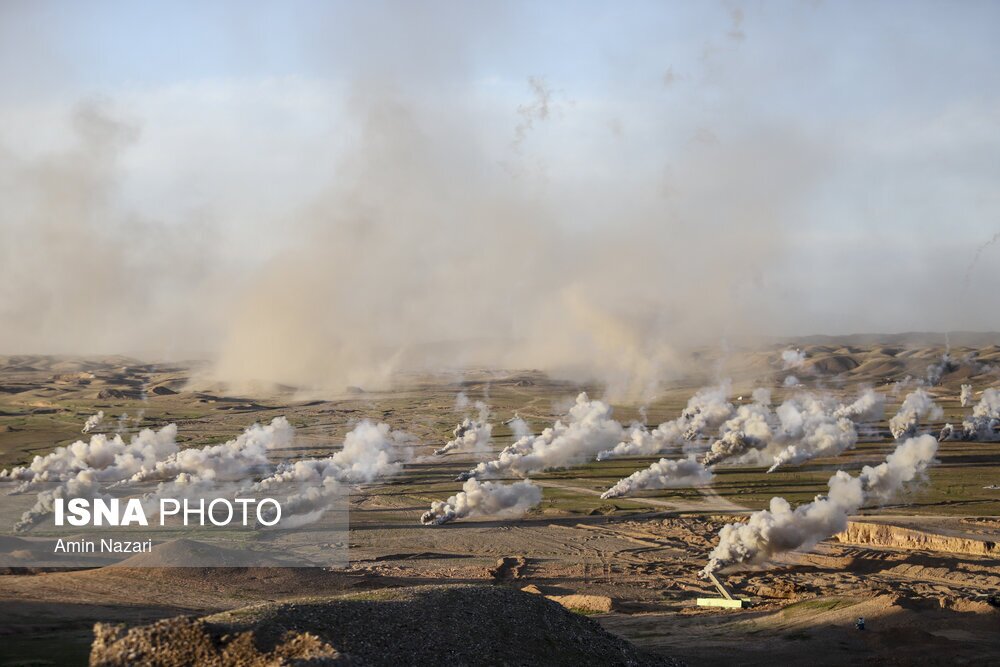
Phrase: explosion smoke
[664,474]
[916,406]
[471,435]
[868,407]
[780,528]
[708,408]
[84,467]
[984,422]
[588,431]
[93,422]
[792,359]
[749,429]
[484,499]
[371,451]
[966,396]
[234,460]
[812,430]
[937,371]
[109,456]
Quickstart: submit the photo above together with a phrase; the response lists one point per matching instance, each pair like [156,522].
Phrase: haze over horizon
[313,196]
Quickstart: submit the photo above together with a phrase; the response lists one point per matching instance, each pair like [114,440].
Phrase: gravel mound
[426,625]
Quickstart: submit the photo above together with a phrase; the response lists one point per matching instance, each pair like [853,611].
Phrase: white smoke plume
[707,409]
[83,468]
[780,528]
[938,370]
[664,474]
[110,456]
[868,407]
[802,428]
[234,460]
[917,405]
[984,422]
[791,381]
[471,434]
[484,499]
[966,396]
[812,431]
[589,429]
[371,451]
[792,359]
[93,422]
[750,428]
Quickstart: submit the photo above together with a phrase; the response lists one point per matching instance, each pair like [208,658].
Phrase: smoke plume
[792,359]
[110,457]
[84,468]
[967,395]
[780,528]
[811,430]
[588,430]
[916,406]
[484,499]
[93,422]
[664,474]
[984,422]
[868,407]
[471,435]
[708,408]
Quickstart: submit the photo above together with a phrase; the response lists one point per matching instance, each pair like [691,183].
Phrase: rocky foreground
[426,625]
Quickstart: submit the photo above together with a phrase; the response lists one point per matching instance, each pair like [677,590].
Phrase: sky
[681,171]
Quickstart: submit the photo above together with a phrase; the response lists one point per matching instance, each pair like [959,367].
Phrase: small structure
[727,600]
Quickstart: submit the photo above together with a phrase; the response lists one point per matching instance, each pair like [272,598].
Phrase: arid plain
[923,569]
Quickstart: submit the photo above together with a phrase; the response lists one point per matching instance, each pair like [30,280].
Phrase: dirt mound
[508,568]
[427,625]
[885,535]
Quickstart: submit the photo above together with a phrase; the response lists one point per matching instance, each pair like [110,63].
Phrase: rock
[425,625]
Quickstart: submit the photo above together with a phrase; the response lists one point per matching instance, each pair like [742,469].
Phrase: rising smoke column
[792,359]
[811,430]
[708,408]
[868,407]
[589,429]
[916,406]
[750,428]
[966,396]
[938,370]
[664,474]
[471,435]
[371,451]
[93,422]
[484,499]
[984,422]
[802,428]
[780,528]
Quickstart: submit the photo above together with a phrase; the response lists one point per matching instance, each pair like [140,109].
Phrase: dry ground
[922,604]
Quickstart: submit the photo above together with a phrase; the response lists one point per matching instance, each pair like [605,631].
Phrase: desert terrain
[922,569]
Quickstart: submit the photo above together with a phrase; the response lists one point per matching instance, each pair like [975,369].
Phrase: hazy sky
[849,151]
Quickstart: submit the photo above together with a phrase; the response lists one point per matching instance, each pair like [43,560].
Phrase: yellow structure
[727,600]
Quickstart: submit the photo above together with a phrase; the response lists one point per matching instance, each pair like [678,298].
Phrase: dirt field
[923,581]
